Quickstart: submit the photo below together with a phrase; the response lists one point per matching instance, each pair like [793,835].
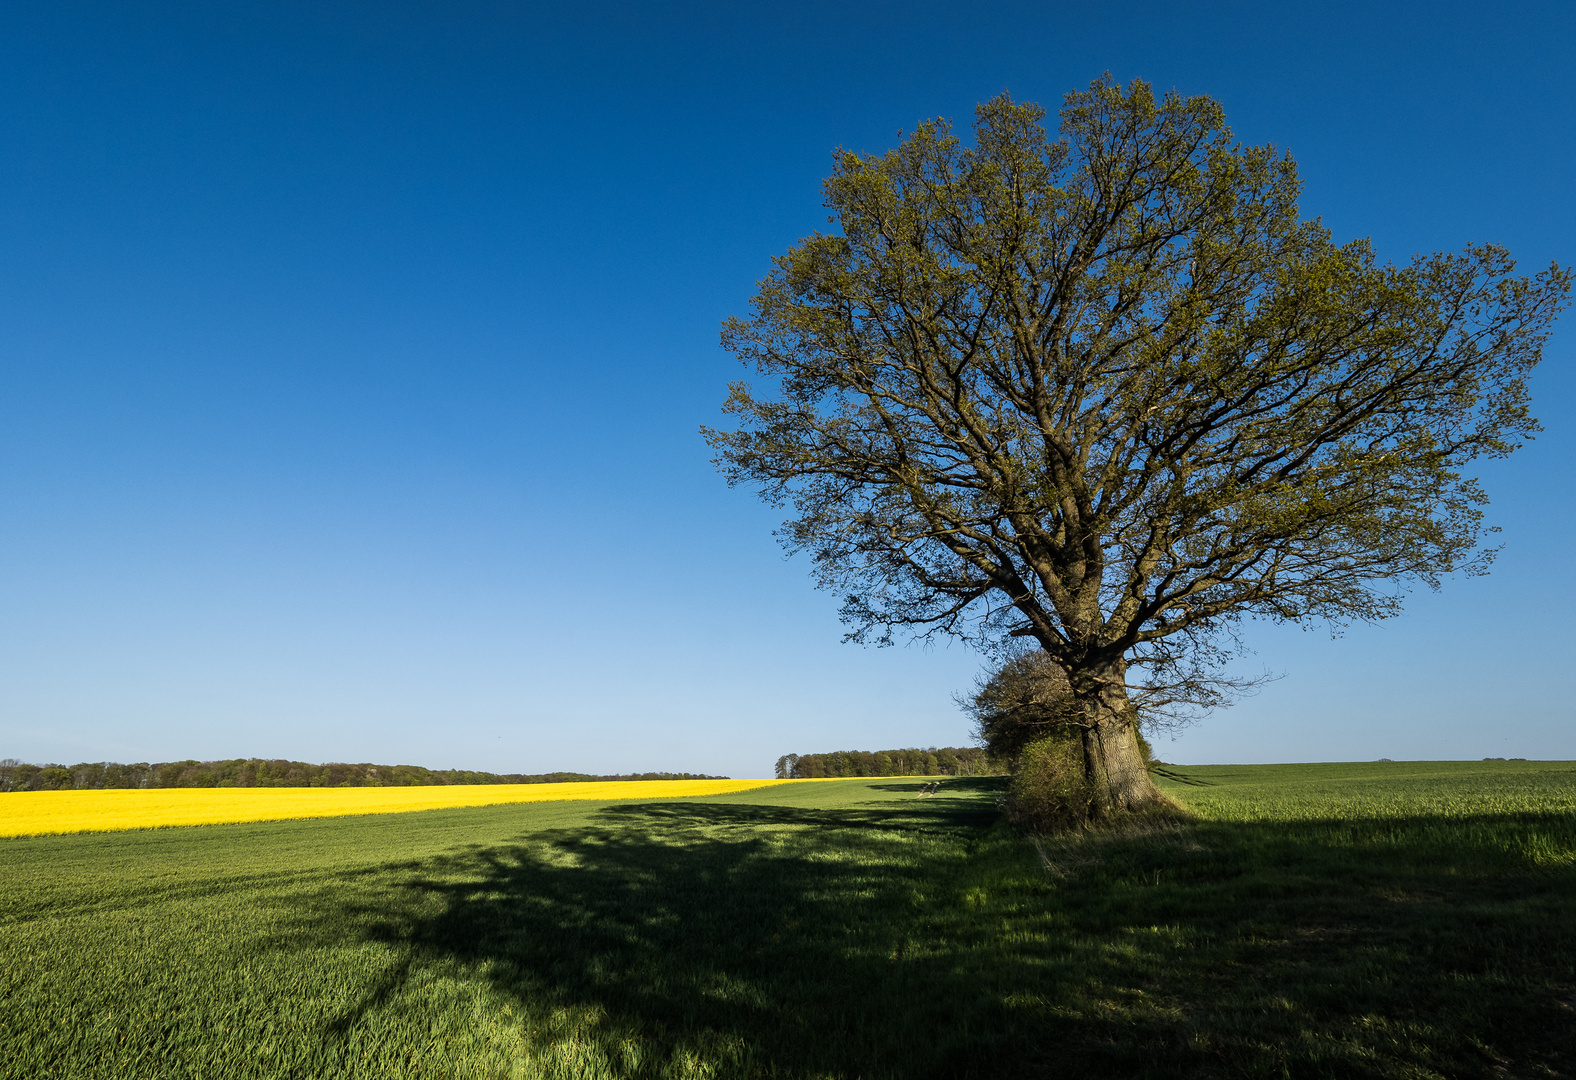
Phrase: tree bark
[1113,763]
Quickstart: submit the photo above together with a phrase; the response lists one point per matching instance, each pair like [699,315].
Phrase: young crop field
[1387,920]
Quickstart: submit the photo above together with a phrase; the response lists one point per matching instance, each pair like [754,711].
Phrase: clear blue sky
[352,355]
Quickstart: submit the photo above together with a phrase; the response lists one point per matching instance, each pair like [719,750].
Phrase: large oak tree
[1111,392]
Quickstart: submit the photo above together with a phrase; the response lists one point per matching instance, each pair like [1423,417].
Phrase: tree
[1109,392]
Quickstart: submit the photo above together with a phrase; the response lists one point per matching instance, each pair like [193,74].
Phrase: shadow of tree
[776,940]
[909,939]
[1172,773]
[955,785]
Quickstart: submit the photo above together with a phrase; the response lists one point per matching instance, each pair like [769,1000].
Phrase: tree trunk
[1113,763]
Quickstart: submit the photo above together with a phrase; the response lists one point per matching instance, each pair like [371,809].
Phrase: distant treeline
[256,772]
[948,761]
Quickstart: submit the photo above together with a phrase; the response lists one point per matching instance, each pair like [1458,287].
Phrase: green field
[1397,920]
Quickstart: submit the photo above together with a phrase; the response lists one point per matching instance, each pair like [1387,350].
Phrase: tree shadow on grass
[767,940]
[917,940]
[1175,774]
[951,785]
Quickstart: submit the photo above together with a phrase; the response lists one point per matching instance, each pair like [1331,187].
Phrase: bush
[1025,714]
[1024,700]
[1049,791]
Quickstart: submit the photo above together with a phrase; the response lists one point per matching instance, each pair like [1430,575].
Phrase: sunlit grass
[1376,790]
[1522,809]
[37,813]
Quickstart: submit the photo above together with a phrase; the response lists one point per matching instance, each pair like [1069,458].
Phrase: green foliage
[1050,789]
[1108,389]
[1397,921]
[256,772]
[947,761]
[1027,698]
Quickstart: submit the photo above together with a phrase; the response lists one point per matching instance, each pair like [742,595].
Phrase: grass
[1399,920]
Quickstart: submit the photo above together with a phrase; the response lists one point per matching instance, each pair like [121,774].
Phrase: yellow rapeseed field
[32,813]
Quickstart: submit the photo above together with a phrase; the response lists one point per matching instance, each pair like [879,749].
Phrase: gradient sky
[352,356]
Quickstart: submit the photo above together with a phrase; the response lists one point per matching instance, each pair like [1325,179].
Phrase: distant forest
[948,761]
[256,772]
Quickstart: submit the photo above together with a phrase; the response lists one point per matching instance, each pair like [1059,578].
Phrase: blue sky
[352,356]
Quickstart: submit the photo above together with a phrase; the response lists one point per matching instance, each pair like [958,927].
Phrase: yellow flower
[31,813]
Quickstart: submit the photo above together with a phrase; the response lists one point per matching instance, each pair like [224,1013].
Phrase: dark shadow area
[956,785]
[925,940]
[898,817]
[782,939]
[1171,772]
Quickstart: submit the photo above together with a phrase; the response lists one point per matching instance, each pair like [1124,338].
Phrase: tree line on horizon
[257,772]
[946,761]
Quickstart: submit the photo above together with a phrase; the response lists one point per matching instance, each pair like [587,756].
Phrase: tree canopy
[1112,392]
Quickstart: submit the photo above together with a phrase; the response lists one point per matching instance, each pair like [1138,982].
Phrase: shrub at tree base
[1050,790]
